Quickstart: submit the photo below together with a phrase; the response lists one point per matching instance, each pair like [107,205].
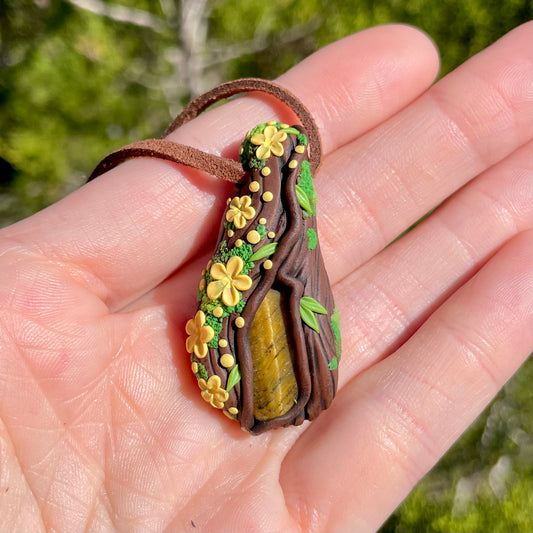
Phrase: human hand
[101,423]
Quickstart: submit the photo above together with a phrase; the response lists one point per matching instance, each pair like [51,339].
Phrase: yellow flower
[239,211]
[269,141]
[212,392]
[229,281]
[199,335]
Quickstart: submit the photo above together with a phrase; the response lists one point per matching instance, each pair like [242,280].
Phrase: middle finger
[373,189]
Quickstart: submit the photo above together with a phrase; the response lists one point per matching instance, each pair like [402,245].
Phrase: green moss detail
[239,308]
[199,294]
[312,239]
[306,184]
[244,252]
[216,324]
[220,255]
[302,139]
[333,364]
[247,157]
[233,309]
[208,305]
[202,371]
[336,328]
[261,230]
[228,225]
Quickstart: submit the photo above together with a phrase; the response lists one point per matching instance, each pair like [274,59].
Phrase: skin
[102,426]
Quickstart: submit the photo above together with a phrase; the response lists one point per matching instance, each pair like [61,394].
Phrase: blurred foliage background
[80,78]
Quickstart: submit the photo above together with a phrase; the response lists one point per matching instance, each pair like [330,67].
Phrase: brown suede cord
[245,85]
[220,167]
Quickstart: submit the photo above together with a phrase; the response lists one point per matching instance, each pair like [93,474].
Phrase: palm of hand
[102,425]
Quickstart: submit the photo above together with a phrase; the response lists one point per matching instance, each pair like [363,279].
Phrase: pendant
[265,339]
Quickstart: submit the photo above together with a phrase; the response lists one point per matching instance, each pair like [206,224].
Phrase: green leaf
[233,378]
[264,251]
[313,305]
[303,200]
[333,364]
[309,306]
[309,318]
[290,130]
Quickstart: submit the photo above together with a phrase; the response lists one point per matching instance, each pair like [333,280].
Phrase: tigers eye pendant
[265,340]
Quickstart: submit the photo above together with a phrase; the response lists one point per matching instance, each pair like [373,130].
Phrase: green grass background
[75,84]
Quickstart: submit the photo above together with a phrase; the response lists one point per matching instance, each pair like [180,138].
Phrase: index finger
[132,227]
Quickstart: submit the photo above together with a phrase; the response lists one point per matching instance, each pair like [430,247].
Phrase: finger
[384,302]
[376,187]
[392,423]
[131,228]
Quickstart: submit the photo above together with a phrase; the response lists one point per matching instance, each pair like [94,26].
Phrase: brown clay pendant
[265,340]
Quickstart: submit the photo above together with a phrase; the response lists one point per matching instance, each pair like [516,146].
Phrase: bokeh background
[79,78]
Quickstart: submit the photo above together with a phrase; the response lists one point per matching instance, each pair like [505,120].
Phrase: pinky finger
[392,423]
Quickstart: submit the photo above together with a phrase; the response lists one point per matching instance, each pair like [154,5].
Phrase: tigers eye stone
[275,386]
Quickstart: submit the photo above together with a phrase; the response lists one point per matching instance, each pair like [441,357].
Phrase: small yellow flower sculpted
[269,142]
[212,392]
[199,335]
[239,211]
[229,281]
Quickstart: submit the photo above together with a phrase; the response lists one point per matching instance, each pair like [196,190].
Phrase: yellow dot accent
[272,123]
[268,196]
[271,234]
[239,322]
[227,360]
[231,233]
[209,265]
[228,415]
[228,201]
[265,171]
[241,150]
[233,410]
[201,285]
[238,243]
[194,367]
[253,237]
[254,186]
[283,126]
[217,311]
[262,221]
[222,343]
[300,149]
[267,264]
[293,164]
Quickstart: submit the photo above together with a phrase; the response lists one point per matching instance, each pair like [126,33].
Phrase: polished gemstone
[275,385]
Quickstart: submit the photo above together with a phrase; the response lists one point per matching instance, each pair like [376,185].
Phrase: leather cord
[220,167]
